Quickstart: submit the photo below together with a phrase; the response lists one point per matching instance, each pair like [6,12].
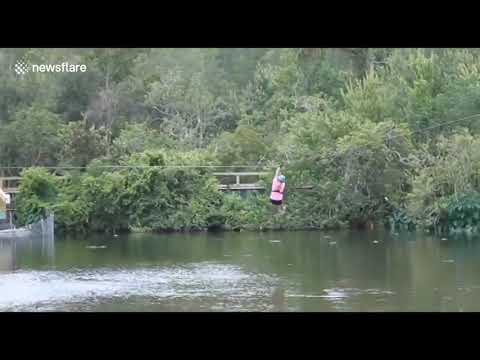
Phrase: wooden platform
[11,190]
[241,187]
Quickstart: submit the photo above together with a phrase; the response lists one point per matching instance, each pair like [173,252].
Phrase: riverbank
[210,229]
[188,199]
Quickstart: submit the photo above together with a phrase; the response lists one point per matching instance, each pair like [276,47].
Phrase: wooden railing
[238,185]
[10,184]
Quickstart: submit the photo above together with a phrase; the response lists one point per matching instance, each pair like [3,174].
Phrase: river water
[245,271]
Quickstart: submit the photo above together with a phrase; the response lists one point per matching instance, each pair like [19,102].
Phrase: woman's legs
[279,206]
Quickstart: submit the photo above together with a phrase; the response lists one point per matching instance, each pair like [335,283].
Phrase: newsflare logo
[23,67]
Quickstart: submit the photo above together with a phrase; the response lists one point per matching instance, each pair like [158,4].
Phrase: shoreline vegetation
[389,137]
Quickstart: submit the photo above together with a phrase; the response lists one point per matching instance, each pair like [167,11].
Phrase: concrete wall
[7,255]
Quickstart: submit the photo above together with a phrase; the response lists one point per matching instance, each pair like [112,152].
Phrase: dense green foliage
[364,126]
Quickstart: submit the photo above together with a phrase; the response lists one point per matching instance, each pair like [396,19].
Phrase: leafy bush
[464,212]
[38,193]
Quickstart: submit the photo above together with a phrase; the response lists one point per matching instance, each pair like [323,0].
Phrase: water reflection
[16,251]
[278,299]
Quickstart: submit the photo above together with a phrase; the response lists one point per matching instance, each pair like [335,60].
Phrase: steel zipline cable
[137,166]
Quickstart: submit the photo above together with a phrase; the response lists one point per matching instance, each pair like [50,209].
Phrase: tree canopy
[365,126]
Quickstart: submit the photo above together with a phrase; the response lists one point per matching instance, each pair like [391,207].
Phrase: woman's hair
[281,178]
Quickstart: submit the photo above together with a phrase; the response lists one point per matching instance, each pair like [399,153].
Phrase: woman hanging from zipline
[277,195]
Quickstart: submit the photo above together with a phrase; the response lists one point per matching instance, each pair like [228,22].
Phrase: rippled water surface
[277,271]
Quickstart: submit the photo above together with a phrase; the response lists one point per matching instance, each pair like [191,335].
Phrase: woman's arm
[277,172]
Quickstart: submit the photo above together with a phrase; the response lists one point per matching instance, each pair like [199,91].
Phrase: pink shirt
[277,190]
